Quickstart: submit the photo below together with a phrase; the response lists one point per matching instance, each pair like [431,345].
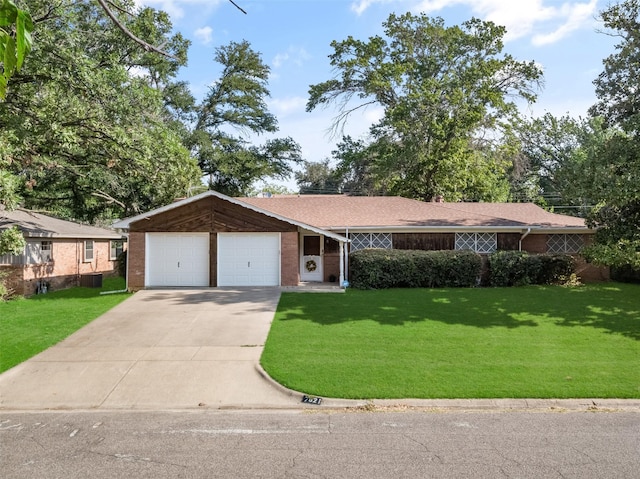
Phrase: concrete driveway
[159,349]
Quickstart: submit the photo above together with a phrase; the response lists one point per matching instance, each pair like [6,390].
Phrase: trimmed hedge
[516,268]
[388,268]
[625,274]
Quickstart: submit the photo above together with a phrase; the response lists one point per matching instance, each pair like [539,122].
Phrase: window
[564,243]
[370,240]
[46,251]
[88,251]
[478,242]
[116,249]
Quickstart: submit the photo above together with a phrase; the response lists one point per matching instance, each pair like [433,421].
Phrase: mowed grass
[29,326]
[530,342]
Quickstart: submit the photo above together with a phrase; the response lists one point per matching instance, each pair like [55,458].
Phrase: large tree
[439,87]
[235,108]
[617,89]
[85,124]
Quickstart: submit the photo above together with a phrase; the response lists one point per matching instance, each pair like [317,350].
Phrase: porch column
[341,263]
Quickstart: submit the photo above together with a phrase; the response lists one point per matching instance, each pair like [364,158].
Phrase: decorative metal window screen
[478,242]
[564,243]
[370,240]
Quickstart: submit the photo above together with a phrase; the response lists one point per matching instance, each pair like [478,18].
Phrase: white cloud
[296,55]
[577,15]
[204,34]
[547,23]
[287,106]
[175,8]
[359,6]
[279,59]
[373,115]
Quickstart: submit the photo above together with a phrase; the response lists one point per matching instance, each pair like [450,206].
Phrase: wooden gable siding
[211,215]
[424,241]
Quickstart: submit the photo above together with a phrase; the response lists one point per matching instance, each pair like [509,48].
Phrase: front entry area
[177,259]
[248,259]
[311,260]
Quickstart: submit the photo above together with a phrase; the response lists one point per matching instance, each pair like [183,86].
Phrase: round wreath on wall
[311,265]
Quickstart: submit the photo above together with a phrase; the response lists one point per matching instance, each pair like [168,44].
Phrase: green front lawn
[538,342]
[29,326]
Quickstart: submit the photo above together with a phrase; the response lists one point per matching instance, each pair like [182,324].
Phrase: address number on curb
[311,400]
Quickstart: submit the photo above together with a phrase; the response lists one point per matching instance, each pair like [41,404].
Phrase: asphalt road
[323,444]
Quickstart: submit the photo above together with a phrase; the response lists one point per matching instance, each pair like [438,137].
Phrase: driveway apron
[159,349]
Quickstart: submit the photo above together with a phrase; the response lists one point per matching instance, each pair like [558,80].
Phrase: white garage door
[177,259]
[248,259]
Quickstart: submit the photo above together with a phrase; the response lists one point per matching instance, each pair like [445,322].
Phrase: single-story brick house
[58,253]
[215,240]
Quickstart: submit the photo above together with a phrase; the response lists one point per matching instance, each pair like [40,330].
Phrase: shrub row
[383,268]
[387,268]
[516,268]
[625,274]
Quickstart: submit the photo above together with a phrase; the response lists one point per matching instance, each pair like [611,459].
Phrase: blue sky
[294,36]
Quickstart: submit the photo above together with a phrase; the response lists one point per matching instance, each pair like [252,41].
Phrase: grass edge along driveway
[529,342]
[28,326]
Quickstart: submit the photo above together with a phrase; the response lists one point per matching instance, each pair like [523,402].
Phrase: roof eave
[125,224]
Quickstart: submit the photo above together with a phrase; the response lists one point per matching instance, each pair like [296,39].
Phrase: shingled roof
[334,212]
[37,225]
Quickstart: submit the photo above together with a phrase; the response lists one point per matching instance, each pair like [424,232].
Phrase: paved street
[324,444]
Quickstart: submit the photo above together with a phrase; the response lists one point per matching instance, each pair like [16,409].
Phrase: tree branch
[238,7]
[109,198]
[147,46]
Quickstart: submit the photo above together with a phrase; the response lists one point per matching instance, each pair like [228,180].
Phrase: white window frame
[46,251]
[113,249]
[483,243]
[370,240]
[88,253]
[564,243]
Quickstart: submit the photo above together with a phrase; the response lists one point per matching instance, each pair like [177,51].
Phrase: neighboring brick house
[58,253]
[214,240]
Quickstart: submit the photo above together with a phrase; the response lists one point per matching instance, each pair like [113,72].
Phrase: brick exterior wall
[535,243]
[590,273]
[289,259]
[136,261]
[331,266]
[65,268]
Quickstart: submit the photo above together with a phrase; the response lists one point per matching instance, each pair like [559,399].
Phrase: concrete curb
[508,404]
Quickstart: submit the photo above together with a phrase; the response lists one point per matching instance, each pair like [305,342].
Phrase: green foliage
[237,103]
[617,85]
[86,129]
[16,26]
[625,274]
[516,268]
[11,241]
[439,88]
[318,178]
[122,264]
[618,160]
[9,186]
[382,268]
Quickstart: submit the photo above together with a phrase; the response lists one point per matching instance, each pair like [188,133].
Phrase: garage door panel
[248,259]
[177,259]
